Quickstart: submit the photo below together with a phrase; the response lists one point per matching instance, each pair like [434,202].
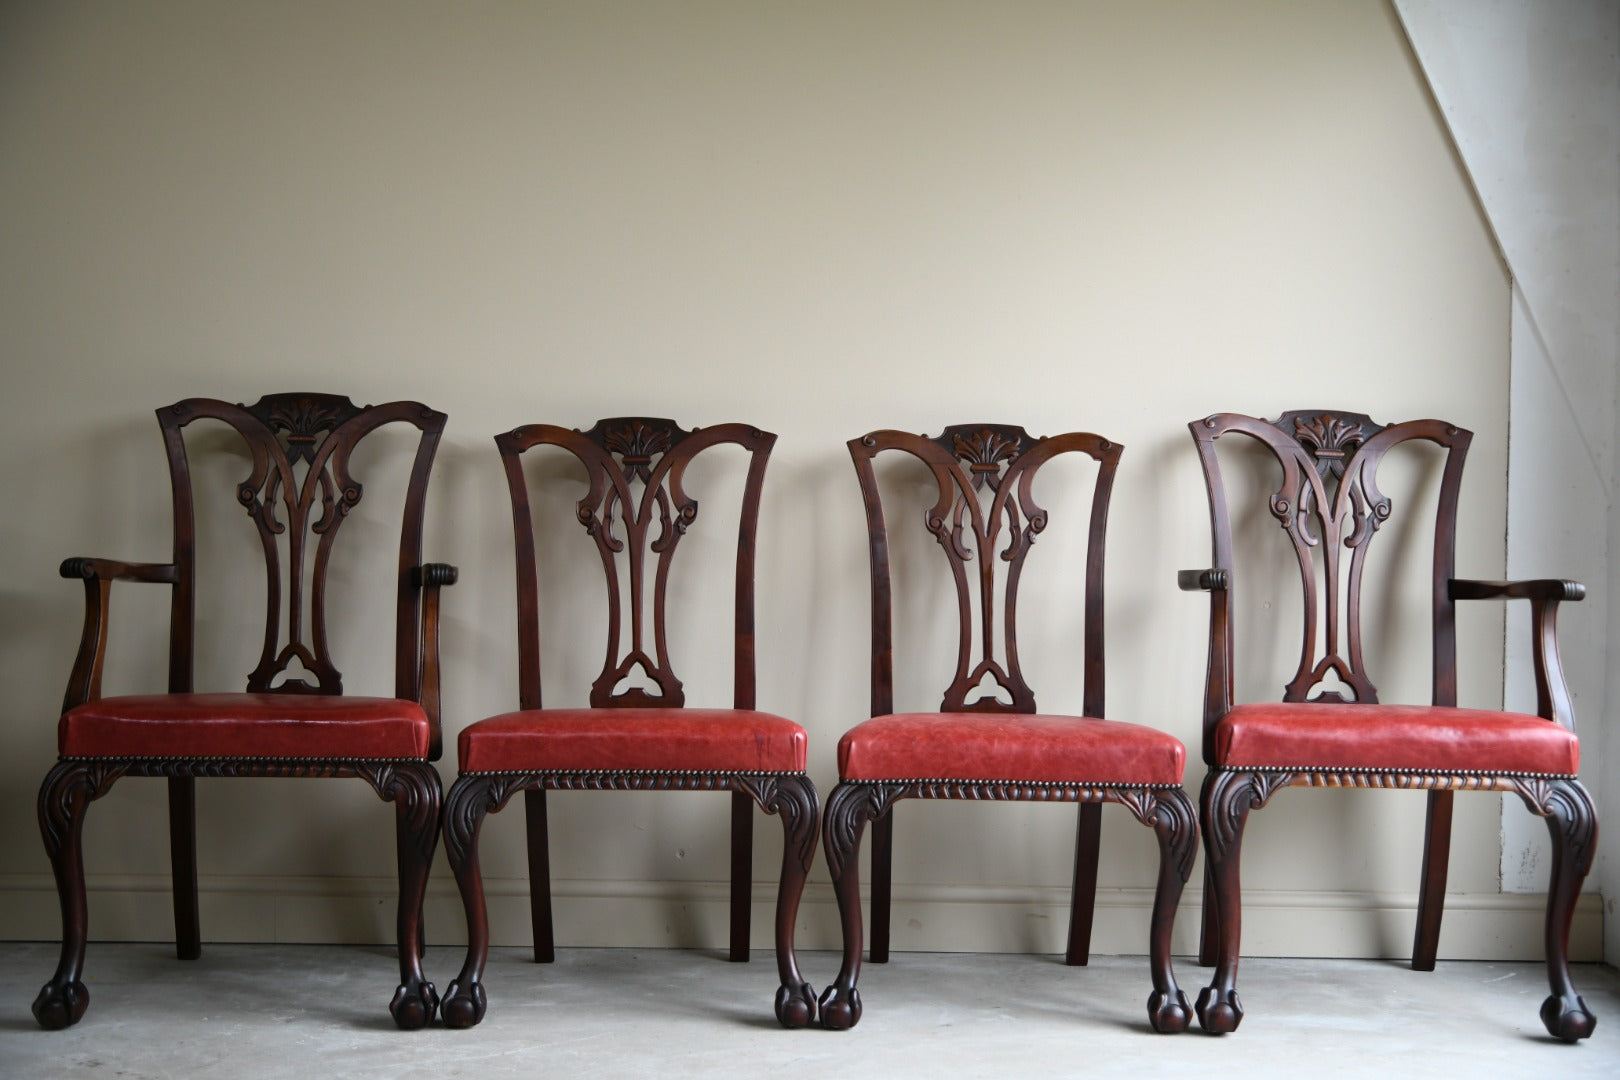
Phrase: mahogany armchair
[988,740]
[1330,506]
[633,737]
[298,494]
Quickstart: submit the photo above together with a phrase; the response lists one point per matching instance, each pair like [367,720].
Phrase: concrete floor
[274,1011]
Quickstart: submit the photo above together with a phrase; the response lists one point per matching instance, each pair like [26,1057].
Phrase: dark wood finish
[1432,895]
[475,795]
[742,874]
[183,866]
[882,886]
[1166,810]
[636,510]
[986,519]
[539,839]
[1330,505]
[298,493]
[1082,907]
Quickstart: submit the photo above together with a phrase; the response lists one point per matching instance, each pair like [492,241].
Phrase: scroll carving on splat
[974,506]
[1330,506]
[1329,503]
[298,493]
[635,510]
[621,521]
[985,520]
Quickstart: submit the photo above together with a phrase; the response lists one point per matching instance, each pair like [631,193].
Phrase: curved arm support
[1216,581]
[84,684]
[1544,594]
[430,577]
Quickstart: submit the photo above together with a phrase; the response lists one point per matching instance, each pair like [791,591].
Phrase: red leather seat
[245,726]
[1009,747]
[650,739]
[1393,737]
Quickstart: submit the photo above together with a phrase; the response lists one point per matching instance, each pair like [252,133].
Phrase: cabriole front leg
[1176,825]
[471,798]
[850,806]
[1226,800]
[1573,825]
[414,790]
[793,799]
[68,789]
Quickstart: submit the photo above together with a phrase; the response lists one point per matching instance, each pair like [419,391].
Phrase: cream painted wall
[819,219]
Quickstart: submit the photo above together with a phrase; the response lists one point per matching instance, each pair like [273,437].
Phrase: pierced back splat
[298,492]
[1330,506]
[985,518]
[636,510]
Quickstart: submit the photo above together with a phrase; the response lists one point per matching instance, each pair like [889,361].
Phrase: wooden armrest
[434,573]
[84,684]
[112,570]
[1542,589]
[1545,594]
[1212,580]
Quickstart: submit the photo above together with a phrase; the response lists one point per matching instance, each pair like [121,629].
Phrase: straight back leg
[1083,900]
[1432,897]
[183,866]
[1209,924]
[882,873]
[742,872]
[534,821]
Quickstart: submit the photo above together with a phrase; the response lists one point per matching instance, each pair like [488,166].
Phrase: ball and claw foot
[60,1006]
[414,1005]
[1565,1018]
[795,1005]
[1219,1012]
[840,1009]
[1169,1015]
[463,1005]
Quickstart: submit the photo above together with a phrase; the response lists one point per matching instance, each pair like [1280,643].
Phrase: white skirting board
[927,918]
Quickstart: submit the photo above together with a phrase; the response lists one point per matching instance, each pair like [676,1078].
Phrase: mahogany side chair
[988,740]
[1331,729]
[288,722]
[633,737]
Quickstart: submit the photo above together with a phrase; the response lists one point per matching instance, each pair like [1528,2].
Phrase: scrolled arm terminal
[1212,580]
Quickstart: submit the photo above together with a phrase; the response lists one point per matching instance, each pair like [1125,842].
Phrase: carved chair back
[636,510]
[985,519]
[1330,506]
[298,492]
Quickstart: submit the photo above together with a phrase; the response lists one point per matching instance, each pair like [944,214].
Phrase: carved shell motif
[302,417]
[1331,439]
[985,451]
[637,443]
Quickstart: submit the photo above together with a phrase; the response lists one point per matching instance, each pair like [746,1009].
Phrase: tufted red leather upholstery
[1393,737]
[245,726]
[1009,746]
[690,740]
